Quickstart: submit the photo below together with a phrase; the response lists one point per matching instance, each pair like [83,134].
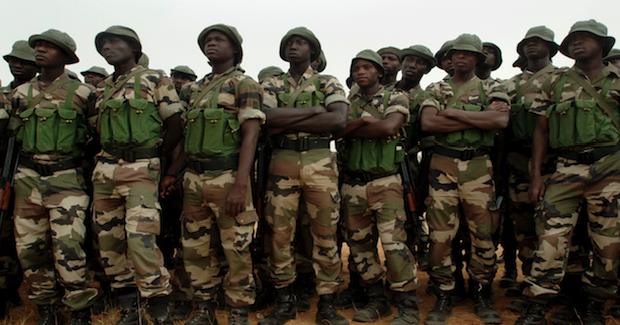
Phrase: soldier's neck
[459,78]
[388,79]
[483,73]
[406,85]
[221,67]
[298,70]
[591,66]
[17,82]
[536,65]
[48,75]
[370,91]
[123,68]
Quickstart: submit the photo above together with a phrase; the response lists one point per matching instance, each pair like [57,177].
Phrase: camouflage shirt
[439,93]
[397,102]
[6,93]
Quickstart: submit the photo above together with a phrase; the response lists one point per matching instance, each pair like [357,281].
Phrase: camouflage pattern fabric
[437,94]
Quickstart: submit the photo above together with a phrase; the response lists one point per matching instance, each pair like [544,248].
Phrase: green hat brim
[16,56]
[72,57]
[432,61]
[607,42]
[498,57]
[553,46]
[226,30]
[306,34]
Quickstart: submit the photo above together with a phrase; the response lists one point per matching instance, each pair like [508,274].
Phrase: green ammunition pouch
[49,128]
[128,122]
[302,99]
[582,122]
[380,156]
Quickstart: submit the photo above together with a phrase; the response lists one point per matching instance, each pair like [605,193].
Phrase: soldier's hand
[235,201]
[166,187]
[499,106]
[537,190]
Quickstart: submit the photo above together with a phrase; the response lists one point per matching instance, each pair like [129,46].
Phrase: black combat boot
[80,317]
[327,315]
[205,314]
[459,294]
[238,316]
[441,311]
[408,310]
[535,313]
[158,310]
[49,315]
[377,306]
[483,303]
[285,310]
[569,314]
[181,310]
[265,297]
[519,305]
[305,288]
[354,296]
[130,311]
[593,312]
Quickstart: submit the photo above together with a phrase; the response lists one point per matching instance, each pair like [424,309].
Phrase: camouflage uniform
[313,173]
[125,200]
[379,204]
[205,194]
[464,181]
[50,207]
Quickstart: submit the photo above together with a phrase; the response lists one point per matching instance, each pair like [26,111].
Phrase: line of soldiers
[111,157]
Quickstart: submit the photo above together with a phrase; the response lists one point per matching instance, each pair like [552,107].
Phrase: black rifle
[409,192]
[180,174]
[259,186]
[7,180]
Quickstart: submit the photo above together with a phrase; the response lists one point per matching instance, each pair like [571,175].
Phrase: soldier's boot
[483,303]
[181,310]
[80,317]
[509,278]
[569,314]
[441,311]
[327,315]
[354,296]
[265,297]
[518,305]
[614,310]
[305,288]
[130,311]
[377,306]
[49,315]
[593,312]
[205,314]
[158,310]
[459,294]
[517,290]
[535,313]
[238,316]
[285,309]
[408,310]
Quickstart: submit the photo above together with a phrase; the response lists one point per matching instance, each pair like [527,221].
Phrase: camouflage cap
[268,72]
[391,50]
[184,70]
[469,43]
[614,54]
[323,64]
[419,51]
[305,33]
[593,27]
[122,31]
[72,74]
[60,39]
[230,31]
[369,55]
[21,50]
[544,34]
[520,62]
[96,70]
[442,51]
[143,60]
[498,54]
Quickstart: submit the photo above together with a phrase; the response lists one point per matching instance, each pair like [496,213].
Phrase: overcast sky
[169,29]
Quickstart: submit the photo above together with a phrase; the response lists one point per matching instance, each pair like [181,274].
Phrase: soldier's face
[116,50]
[446,65]
[535,48]
[414,67]
[22,70]
[218,47]
[298,50]
[391,63]
[464,61]
[491,55]
[179,79]
[584,45]
[92,78]
[47,55]
[365,73]
[615,62]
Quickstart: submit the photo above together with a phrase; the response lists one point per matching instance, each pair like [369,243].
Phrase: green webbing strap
[528,83]
[137,86]
[559,87]
[483,95]
[417,100]
[216,82]
[70,91]
[300,89]
[373,111]
[55,85]
[469,85]
[595,95]
[108,93]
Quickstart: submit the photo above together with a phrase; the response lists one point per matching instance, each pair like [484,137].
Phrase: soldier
[391,64]
[319,64]
[578,118]
[444,62]
[372,190]
[127,173]
[613,57]
[302,164]
[269,71]
[520,62]
[50,197]
[143,60]
[72,75]
[94,75]
[538,48]
[464,114]
[493,61]
[180,75]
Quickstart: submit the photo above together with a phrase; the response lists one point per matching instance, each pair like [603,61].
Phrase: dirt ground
[462,315]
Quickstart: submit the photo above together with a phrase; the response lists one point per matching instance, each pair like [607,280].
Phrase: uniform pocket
[195,128]
[47,129]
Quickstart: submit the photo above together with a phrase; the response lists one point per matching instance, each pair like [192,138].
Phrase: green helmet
[442,51]
[21,50]
[323,64]
[143,60]
[613,55]
[544,34]
[368,55]
[123,32]
[305,33]
[230,31]
[498,56]
[60,39]
[469,43]
[419,51]
[184,70]
[96,70]
[72,74]
[391,50]
[268,72]
[593,27]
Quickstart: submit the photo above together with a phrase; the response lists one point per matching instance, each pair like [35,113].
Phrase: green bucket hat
[390,49]
[184,70]
[544,34]
[368,55]
[96,70]
[323,64]
[143,60]
[469,43]
[613,55]
[72,74]
[498,56]
[60,39]
[593,27]
[419,51]
[21,50]
[230,31]
[121,31]
[442,51]
[268,72]
[305,33]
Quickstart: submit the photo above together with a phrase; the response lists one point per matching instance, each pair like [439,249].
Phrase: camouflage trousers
[50,213]
[470,184]
[126,214]
[204,205]
[378,204]
[314,174]
[572,187]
